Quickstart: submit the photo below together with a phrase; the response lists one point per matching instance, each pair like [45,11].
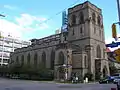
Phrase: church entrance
[105,71]
[61,73]
[61,69]
[97,69]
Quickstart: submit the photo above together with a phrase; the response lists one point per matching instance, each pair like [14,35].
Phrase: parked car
[116,79]
[106,80]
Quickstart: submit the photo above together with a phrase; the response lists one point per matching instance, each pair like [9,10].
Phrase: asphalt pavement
[8,84]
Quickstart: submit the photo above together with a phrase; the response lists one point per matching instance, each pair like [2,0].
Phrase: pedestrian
[76,79]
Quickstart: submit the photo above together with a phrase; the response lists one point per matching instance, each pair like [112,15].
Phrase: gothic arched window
[103,53]
[81,20]
[44,59]
[93,17]
[73,19]
[73,32]
[35,59]
[17,60]
[85,61]
[28,59]
[22,60]
[81,30]
[98,50]
[98,20]
[61,58]
[52,59]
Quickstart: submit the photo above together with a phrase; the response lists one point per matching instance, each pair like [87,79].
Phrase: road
[7,84]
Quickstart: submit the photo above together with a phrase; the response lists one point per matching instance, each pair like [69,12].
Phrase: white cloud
[24,24]
[7,27]
[9,7]
[31,22]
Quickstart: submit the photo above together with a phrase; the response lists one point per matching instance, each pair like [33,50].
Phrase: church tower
[85,30]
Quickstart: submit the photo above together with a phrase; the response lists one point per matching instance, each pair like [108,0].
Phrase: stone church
[81,49]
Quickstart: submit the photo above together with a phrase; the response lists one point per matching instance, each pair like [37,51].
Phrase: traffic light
[117,55]
[114,32]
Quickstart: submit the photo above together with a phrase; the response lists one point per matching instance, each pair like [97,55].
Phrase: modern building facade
[8,45]
[81,48]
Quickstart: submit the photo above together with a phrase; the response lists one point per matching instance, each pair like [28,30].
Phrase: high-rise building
[57,31]
[8,45]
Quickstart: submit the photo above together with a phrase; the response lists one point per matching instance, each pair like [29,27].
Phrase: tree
[113,70]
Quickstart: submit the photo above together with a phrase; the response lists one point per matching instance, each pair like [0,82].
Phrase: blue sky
[23,17]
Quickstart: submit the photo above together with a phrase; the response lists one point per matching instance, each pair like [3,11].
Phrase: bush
[25,72]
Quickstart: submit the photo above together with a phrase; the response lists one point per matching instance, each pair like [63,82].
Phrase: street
[7,84]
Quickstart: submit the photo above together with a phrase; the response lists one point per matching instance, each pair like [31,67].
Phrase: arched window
[73,19]
[44,59]
[100,33]
[52,59]
[94,17]
[81,20]
[61,58]
[103,53]
[22,60]
[81,30]
[85,61]
[28,59]
[94,29]
[35,59]
[105,71]
[17,60]
[98,20]
[73,32]
[98,50]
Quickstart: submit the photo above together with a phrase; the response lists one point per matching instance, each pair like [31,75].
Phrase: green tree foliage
[113,70]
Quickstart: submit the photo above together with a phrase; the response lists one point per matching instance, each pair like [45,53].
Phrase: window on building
[35,59]
[100,33]
[98,51]
[81,20]
[61,58]
[85,61]
[94,17]
[44,59]
[73,32]
[17,45]
[81,30]
[73,19]
[52,59]
[65,38]
[17,60]
[94,29]
[98,20]
[28,59]
[103,53]
[22,60]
